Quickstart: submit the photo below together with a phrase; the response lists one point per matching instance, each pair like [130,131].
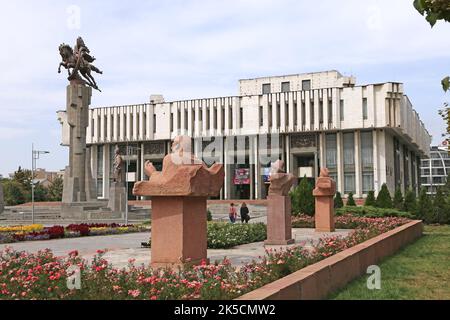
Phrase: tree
[410,203]
[40,193]
[350,200]
[384,199]
[441,207]
[13,193]
[424,206]
[398,200]
[302,198]
[24,177]
[370,200]
[338,203]
[55,190]
[435,10]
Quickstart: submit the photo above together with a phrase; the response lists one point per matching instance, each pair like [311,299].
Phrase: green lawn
[419,271]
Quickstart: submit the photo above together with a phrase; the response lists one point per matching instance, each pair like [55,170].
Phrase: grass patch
[419,271]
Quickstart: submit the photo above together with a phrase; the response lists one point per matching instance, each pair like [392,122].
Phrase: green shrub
[372,212]
[208,215]
[384,199]
[302,198]
[398,200]
[350,200]
[424,207]
[410,204]
[338,203]
[222,235]
[441,208]
[370,200]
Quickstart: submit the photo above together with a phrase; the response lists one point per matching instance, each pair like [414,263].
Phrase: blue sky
[194,49]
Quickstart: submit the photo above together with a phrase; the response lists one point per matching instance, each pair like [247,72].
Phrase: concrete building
[365,135]
[435,170]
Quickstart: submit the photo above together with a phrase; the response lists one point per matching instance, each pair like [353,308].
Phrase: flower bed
[39,232]
[43,276]
[222,235]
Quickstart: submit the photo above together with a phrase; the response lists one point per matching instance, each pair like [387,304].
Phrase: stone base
[324,216]
[181,266]
[279,225]
[80,210]
[178,231]
[278,242]
[117,198]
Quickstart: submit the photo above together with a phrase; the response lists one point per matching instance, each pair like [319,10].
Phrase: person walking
[245,217]
[232,213]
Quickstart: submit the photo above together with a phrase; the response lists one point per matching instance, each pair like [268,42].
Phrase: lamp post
[34,156]
[126,179]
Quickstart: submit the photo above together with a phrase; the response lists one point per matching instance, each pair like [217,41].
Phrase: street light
[34,156]
[126,178]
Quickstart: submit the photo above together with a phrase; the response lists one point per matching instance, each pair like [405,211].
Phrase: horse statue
[80,61]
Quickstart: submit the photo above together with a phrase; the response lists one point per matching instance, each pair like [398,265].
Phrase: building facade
[365,135]
[435,170]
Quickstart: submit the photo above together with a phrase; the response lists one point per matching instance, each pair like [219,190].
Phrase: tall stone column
[78,182]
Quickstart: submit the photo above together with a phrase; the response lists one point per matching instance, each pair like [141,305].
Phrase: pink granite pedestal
[324,194]
[279,225]
[178,231]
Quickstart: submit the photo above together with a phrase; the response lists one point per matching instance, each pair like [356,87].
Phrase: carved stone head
[277,167]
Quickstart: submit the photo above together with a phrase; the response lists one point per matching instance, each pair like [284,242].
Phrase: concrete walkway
[121,248]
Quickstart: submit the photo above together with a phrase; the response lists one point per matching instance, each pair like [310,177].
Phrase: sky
[196,49]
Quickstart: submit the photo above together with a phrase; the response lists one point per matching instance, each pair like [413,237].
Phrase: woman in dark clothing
[244,213]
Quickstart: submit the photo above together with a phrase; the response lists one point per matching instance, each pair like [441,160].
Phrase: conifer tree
[370,200]
[350,200]
[338,203]
[398,200]
[384,199]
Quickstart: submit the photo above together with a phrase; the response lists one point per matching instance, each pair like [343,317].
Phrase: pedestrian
[232,213]
[245,217]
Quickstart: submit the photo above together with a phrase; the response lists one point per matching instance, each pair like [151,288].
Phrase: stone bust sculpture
[280,182]
[325,186]
[118,165]
[182,174]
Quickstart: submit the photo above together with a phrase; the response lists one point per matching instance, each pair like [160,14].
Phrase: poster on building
[241,176]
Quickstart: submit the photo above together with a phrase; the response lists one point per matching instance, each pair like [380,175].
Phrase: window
[330,111]
[100,171]
[223,118]
[278,114]
[349,183]
[266,88]
[341,110]
[208,116]
[270,115]
[349,150]
[311,113]
[230,117]
[303,111]
[367,161]
[241,117]
[285,86]
[321,112]
[178,120]
[306,85]
[131,126]
[215,117]
[367,182]
[261,116]
[331,151]
[171,122]
[185,118]
[364,108]
[154,123]
[295,113]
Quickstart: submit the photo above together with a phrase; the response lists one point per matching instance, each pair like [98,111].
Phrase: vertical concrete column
[358,172]
[307,111]
[322,149]
[316,109]
[106,170]
[282,112]
[299,111]
[226,161]
[291,112]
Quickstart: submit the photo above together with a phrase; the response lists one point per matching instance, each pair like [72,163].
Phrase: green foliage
[13,193]
[24,177]
[302,198]
[441,208]
[226,235]
[55,190]
[40,193]
[370,200]
[208,215]
[410,204]
[424,206]
[398,200]
[372,212]
[338,203]
[350,200]
[384,199]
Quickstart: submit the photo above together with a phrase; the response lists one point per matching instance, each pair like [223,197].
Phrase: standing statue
[79,60]
[118,166]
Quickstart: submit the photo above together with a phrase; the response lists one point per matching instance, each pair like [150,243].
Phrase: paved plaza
[121,248]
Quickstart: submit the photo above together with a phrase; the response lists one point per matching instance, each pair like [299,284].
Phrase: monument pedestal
[279,225]
[324,217]
[324,194]
[117,198]
[178,230]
